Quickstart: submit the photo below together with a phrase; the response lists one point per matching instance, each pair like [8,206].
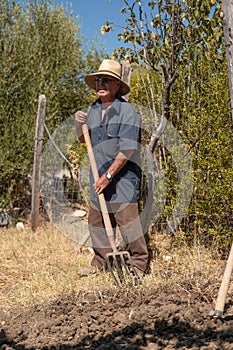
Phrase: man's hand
[101,184]
[80,119]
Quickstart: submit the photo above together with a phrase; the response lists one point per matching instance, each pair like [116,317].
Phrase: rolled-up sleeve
[129,131]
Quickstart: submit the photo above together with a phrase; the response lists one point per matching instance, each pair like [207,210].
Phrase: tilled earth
[138,318]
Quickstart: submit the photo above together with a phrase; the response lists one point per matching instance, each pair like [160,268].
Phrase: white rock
[79,213]
[20,225]
[167,257]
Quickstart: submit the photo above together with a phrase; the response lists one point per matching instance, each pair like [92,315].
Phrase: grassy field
[38,266]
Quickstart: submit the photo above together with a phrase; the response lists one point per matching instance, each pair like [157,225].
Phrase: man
[114,127]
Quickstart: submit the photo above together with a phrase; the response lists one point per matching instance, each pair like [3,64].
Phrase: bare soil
[133,318]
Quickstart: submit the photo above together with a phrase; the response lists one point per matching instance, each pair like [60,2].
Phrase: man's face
[107,87]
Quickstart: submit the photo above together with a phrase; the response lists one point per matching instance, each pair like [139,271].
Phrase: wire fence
[188,193]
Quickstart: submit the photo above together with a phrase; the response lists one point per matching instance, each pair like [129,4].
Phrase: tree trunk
[227,7]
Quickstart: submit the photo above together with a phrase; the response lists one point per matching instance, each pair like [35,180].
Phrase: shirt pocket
[112,130]
[112,140]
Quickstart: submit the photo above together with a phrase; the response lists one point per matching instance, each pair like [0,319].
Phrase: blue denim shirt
[119,130]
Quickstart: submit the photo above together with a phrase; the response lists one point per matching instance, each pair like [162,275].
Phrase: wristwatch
[108,176]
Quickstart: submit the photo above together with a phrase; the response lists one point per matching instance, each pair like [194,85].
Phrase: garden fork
[116,259]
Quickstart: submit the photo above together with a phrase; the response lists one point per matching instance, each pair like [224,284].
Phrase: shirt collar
[115,105]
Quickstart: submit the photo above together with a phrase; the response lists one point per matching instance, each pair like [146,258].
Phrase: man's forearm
[119,162]
[79,133]
[115,167]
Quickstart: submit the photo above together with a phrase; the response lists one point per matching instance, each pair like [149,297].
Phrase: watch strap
[108,175]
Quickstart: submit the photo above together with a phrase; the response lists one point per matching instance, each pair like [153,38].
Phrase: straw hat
[112,69]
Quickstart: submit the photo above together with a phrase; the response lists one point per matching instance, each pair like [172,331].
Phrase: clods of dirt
[137,318]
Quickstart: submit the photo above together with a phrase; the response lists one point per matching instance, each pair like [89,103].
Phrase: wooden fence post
[125,75]
[37,162]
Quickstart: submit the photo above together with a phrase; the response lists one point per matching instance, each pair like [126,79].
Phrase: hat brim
[90,80]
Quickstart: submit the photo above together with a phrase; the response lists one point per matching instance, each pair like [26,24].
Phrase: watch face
[109,176]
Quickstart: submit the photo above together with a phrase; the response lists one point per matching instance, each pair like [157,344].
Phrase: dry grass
[36,267]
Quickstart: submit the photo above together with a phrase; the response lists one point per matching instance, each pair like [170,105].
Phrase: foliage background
[42,52]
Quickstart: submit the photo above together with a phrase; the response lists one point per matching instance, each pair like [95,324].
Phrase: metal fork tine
[116,265]
[122,256]
[135,275]
[118,268]
[111,271]
[117,261]
[122,259]
[129,267]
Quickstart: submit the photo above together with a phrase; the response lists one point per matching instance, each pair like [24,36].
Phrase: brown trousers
[126,216]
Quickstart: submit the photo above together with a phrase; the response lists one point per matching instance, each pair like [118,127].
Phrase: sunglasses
[104,80]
